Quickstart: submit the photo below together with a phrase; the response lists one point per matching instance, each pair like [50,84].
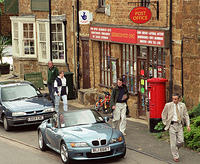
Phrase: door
[142,74]
[150,64]
[142,86]
[86,63]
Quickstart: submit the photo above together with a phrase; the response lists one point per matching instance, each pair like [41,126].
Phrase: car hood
[38,103]
[89,132]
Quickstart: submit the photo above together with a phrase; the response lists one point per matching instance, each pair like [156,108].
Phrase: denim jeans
[57,103]
[51,92]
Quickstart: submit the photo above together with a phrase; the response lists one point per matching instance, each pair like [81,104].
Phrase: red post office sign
[140,15]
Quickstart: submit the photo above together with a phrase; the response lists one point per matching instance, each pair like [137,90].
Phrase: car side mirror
[106,119]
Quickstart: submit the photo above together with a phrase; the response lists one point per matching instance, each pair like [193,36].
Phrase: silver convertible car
[81,135]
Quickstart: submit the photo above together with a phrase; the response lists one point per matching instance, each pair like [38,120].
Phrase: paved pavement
[141,140]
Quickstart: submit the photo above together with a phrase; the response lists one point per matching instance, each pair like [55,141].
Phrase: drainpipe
[182,68]
[50,46]
[171,55]
[77,40]
[65,39]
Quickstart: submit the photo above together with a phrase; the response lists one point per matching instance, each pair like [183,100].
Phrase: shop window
[57,41]
[28,39]
[156,62]
[129,67]
[42,41]
[108,66]
[16,37]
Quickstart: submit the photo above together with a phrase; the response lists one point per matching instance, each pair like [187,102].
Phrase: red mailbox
[157,100]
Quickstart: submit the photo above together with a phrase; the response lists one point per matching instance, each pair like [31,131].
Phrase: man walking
[52,74]
[119,98]
[174,116]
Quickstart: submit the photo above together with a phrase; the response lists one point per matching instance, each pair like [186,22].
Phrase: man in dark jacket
[52,74]
[119,99]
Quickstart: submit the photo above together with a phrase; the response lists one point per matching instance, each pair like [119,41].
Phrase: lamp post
[50,44]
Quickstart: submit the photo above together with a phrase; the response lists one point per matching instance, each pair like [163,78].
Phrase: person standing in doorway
[174,116]
[119,99]
[52,74]
[61,90]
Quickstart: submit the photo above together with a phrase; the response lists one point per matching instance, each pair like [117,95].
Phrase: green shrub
[159,127]
[195,112]
[192,138]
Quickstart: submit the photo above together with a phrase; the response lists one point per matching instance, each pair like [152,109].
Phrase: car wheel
[41,142]
[64,153]
[5,124]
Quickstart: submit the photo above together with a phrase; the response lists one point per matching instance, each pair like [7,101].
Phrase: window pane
[28,38]
[31,27]
[42,37]
[59,27]
[54,46]
[61,55]
[25,26]
[42,27]
[30,34]
[55,54]
[60,37]
[54,37]
[53,27]
[25,34]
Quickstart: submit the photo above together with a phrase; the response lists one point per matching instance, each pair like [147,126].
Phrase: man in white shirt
[174,116]
[61,90]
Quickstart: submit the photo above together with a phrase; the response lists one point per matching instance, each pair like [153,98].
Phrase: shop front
[134,54]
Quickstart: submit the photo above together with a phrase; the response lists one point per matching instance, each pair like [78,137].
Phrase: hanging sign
[85,17]
[140,15]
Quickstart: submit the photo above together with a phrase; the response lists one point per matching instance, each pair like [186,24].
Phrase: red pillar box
[157,100]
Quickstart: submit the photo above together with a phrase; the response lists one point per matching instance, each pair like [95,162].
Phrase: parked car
[22,104]
[81,135]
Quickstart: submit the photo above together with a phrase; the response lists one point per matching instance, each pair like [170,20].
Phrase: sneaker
[124,134]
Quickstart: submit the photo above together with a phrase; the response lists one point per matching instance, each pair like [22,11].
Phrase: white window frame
[15,34]
[63,36]
[40,58]
[46,22]
[21,20]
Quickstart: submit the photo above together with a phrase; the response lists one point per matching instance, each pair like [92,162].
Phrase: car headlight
[78,144]
[49,110]
[18,113]
[115,140]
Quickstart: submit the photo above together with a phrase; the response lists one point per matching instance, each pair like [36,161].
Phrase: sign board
[131,36]
[154,38]
[140,15]
[85,17]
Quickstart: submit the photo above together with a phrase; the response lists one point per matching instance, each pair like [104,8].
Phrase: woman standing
[61,90]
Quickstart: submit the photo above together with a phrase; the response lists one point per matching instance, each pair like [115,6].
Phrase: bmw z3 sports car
[81,135]
[22,104]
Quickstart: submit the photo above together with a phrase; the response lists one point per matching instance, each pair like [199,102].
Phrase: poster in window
[114,71]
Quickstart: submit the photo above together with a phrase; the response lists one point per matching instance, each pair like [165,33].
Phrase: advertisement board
[131,36]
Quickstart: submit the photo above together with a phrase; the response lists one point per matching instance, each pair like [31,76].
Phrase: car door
[52,136]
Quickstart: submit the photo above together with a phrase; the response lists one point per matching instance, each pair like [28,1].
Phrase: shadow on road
[22,128]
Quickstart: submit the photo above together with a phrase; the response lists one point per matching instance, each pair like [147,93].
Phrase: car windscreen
[81,118]
[17,92]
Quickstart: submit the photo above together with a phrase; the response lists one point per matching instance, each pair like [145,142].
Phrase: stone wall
[5,23]
[62,8]
[186,28]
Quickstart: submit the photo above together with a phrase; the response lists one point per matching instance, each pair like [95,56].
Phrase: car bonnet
[88,132]
[27,104]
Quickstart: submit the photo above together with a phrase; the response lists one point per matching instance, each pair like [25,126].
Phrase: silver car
[81,135]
